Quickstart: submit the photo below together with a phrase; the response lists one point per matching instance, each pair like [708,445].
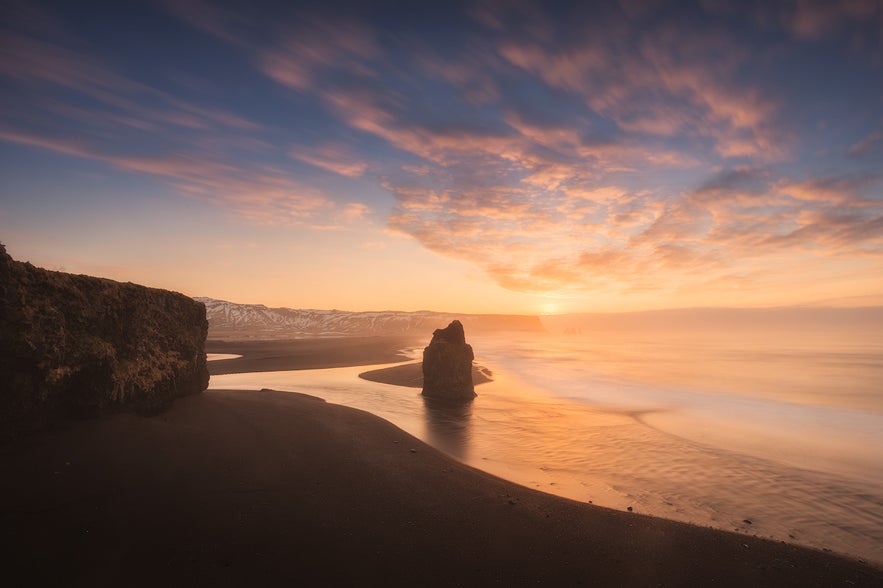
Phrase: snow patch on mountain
[255,321]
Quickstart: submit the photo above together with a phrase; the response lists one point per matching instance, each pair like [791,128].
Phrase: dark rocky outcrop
[447,365]
[73,345]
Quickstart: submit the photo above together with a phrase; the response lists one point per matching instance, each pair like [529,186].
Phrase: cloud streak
[620,147]
[203,151]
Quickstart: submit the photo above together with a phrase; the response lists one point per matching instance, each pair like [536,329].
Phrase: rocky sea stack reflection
[447,365]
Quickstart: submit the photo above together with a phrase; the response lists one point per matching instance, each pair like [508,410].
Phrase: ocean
[776,434]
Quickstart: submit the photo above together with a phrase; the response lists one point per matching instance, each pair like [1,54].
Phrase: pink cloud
[835,190]
[677,84]
[34,62]
[539,201]
[266,196]
[317,46]
[680,221]
[470,74]
[333,158]
[593,238]
[215,20]
[815,19]
[869,144]
[375,114]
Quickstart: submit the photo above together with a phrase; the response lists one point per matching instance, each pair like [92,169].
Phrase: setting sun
[623,156]
[466,293]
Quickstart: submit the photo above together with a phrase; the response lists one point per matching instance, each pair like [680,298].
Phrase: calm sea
[766,433]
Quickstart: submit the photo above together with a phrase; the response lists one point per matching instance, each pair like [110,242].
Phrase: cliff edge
[73,345]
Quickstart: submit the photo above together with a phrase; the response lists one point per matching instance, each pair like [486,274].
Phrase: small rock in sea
[746,521]
[630,509]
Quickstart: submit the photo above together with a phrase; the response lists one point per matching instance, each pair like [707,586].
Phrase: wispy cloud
[627,143]
[869,145]
[531,200]
[315,46]
[203,151]
[334,158]
[817,19]
[666,81]
[264,195]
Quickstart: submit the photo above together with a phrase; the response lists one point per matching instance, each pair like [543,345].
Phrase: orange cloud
[622,159]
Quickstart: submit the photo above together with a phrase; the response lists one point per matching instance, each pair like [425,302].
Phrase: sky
[484,156]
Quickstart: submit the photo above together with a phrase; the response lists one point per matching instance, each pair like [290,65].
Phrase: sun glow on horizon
[516,154]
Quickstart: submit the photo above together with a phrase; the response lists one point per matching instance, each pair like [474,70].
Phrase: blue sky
[470,156]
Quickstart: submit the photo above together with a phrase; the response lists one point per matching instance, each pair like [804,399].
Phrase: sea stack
[447,365]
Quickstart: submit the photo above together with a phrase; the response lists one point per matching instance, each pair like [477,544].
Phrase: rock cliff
[447,365]
[73,345]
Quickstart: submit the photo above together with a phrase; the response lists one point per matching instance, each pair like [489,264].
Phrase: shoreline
[611,458]
[307,354]
[410,375]
[238,486]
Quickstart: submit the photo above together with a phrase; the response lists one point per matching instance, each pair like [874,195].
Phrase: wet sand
[411,375]
[307,354]
[266,488]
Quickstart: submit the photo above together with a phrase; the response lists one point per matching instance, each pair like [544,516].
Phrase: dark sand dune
[271,488]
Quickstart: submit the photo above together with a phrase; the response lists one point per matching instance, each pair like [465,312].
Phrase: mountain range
[230,320]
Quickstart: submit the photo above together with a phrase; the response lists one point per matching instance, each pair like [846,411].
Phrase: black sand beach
[307,354]
[271,488]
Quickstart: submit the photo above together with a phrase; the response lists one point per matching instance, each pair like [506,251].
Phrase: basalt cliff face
[447,365]
[73,345]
